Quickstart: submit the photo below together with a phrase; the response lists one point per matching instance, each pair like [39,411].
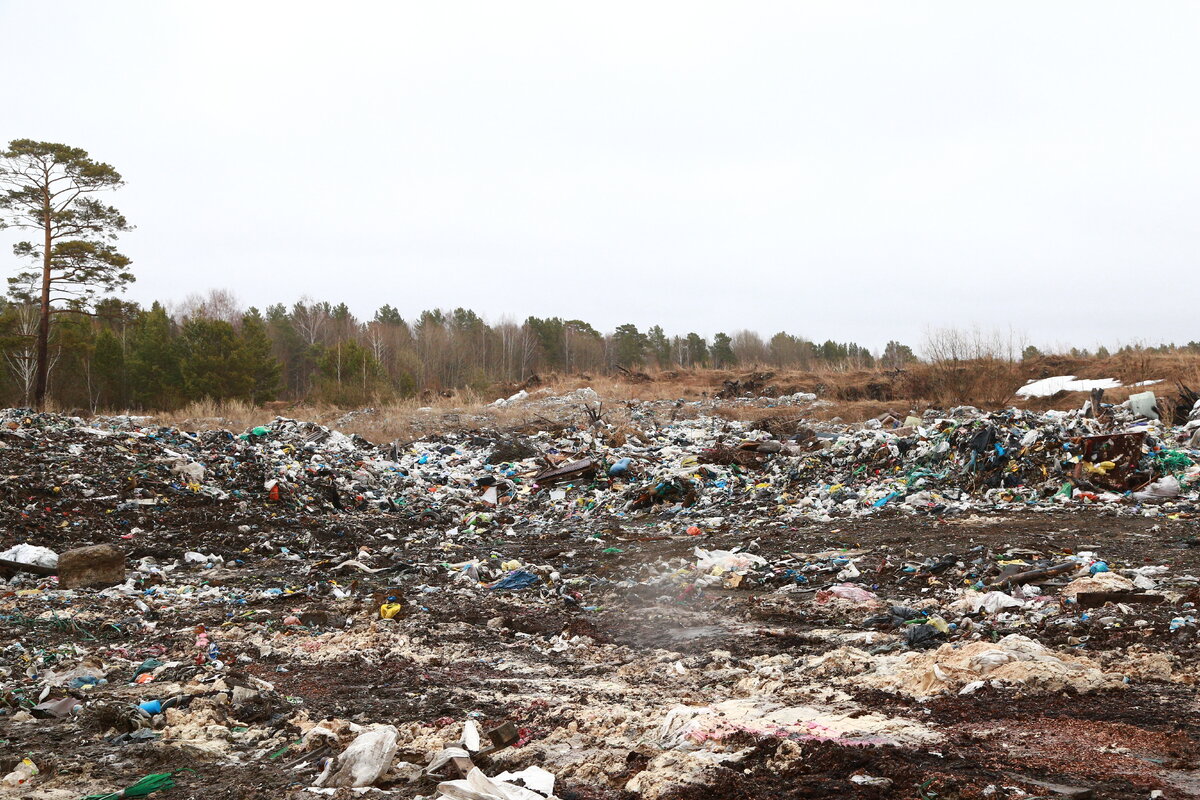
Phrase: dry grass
[854,396]
[391,420]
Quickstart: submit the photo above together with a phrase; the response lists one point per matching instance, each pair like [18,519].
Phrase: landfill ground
[630,667]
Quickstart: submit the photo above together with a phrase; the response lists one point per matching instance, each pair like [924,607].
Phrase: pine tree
[108,361]
[660,346]
[629,346]
[290,349]
[256,359]
[211,361]
[388,315]
[50,188]
[722,351]
[551,338]
[154,375]
[697,350]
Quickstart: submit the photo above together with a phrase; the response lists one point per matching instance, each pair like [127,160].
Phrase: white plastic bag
[31,554]
[477,786]
[1162,489]
[365,761]
[720,561]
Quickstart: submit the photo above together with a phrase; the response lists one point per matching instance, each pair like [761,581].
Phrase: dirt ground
[588,669]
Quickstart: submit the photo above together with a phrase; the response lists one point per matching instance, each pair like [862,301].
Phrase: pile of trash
[478,674]
[698,465]
[671,600]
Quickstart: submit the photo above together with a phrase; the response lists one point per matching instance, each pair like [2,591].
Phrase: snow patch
[1069,383]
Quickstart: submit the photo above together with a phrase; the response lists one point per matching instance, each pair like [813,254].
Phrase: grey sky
[847,170]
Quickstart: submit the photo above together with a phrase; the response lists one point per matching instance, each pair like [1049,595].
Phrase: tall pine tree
[256,359]
[155,379]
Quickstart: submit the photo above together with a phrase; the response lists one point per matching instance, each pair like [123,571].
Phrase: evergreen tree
[72,347]
[256,358]
[722,351]
[211,361]
[551,339]
[388,315]
[697,350]
[660,346]
[790,351]
[154,375]
[859,356]
[50,189]
[108,361]
[832,353]
[290,349]
[629,346]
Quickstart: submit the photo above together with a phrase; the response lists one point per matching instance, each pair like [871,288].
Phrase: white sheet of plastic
[1065,383]
[31,554]
[477,786]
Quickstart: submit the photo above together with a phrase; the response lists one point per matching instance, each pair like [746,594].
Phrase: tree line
[64,337]
[118,354]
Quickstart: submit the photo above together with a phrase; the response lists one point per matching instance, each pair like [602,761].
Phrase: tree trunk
[43,334]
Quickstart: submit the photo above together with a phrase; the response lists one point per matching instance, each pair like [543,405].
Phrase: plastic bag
[365,761]
[31,554]
[719,561]
[1162,489]
[477,786]
[847,591]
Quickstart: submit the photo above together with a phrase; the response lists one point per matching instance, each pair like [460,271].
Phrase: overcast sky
[857,171]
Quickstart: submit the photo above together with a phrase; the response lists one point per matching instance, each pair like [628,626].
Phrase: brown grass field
[852,395]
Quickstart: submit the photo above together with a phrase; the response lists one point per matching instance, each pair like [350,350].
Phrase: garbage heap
[673,605]
[659,461]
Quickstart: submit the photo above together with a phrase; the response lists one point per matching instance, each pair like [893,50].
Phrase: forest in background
[121,355]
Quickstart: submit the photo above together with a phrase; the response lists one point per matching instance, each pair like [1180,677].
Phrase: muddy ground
[589,666]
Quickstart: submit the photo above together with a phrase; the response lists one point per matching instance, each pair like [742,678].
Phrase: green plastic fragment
[147,785]
[284,749]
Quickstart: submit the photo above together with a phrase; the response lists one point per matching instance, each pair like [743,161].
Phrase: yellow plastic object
[389,610]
